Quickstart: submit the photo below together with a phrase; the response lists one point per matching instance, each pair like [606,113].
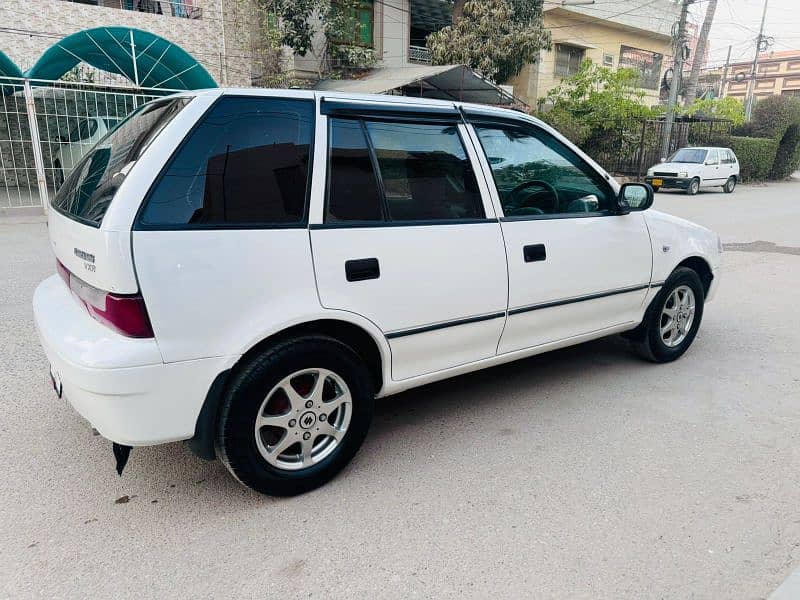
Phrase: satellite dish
[739,77]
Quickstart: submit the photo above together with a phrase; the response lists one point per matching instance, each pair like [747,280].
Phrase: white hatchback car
[249,269]
[693,168]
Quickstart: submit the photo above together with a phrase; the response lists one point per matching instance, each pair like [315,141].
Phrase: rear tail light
[124,313]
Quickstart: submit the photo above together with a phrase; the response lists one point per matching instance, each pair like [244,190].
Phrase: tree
[699,53]
[296,23]
[598,108]
[728,108]
[495,37]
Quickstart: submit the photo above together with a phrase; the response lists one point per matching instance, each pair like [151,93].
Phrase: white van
[249,269]
[690,169]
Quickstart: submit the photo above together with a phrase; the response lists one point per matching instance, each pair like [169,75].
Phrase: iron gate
[47,126]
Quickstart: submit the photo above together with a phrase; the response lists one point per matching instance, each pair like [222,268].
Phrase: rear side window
[353,193]
[400,172]
[728,157]
[89,188]
[246,163]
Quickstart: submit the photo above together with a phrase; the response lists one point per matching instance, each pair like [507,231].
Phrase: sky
[736,22]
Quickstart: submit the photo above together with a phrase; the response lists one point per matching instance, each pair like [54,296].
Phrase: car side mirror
[634,197]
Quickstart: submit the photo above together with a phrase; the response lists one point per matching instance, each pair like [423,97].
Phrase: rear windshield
[89,188]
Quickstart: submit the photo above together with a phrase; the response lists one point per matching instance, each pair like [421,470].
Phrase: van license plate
[658,182]
[56,379]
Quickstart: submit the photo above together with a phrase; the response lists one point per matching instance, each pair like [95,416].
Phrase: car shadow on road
[540,371]
[397,418]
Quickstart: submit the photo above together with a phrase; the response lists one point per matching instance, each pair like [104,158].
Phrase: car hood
[671,167]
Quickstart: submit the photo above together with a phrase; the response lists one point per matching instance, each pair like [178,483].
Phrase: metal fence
[633,151]
[47,126]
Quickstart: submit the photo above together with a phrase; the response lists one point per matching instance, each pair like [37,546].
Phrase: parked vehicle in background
[78,141]
[697,167]
[249,269]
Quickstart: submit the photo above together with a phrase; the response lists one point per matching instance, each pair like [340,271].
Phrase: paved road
[583,473]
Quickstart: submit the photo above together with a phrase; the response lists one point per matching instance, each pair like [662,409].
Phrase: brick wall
[202,37]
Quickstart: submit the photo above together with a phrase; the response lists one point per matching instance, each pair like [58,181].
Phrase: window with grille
[647,63]
[568,59]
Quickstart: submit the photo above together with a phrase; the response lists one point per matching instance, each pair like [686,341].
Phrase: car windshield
[89,189]
[689,155]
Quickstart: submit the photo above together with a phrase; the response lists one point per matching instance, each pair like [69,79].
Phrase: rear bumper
[680,183]
[116,383]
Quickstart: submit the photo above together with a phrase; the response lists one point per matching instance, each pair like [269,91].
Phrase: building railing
[419,54]
[185,9]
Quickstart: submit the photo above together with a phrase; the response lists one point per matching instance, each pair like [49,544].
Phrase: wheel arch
[363,343]
[700,266]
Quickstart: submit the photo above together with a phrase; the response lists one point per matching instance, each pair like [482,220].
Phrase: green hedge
[756,156]
[788,158]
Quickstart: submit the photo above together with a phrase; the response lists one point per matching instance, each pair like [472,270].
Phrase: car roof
[704,148]
[376,98]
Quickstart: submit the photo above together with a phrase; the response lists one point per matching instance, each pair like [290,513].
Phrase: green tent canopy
[141,56]
[7,67]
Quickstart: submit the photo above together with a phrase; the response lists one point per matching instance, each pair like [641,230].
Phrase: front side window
[400,172]
[246,163]
[537,175]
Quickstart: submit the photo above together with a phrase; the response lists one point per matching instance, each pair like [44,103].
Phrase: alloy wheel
[303,419]
[677,316]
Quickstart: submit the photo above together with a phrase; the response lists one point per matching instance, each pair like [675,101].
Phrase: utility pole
[679,55]
[748,110]
[725,73]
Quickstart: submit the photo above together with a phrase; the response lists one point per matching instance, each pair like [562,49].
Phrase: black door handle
[534,252]
[361,269]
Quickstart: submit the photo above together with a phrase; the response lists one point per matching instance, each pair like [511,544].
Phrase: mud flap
[121,453]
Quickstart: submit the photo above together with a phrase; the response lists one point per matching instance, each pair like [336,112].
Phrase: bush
[756,156]
[787,159]
[773,116]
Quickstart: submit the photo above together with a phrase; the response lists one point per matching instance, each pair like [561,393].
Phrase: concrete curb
[789,589]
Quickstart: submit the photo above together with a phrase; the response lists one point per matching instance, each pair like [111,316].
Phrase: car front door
[408,238]
[575,266]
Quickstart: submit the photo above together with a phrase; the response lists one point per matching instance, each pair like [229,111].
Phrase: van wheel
[730,185]
[673,318]
[694,187]
[295,415]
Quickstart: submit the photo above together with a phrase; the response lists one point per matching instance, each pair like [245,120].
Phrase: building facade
[207,29]
[778,74]
[610,36]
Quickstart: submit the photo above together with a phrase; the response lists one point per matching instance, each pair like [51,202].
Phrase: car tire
[277,401]
[730,185]
[650,339]
[694,187]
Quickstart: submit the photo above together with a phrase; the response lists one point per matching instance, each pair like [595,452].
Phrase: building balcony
[419,54]
[185,9]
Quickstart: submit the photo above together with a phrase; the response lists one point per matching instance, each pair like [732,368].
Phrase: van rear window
[90,187]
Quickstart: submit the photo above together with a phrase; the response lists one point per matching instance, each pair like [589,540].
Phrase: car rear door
[575,266]
[406,236]
[713,171]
